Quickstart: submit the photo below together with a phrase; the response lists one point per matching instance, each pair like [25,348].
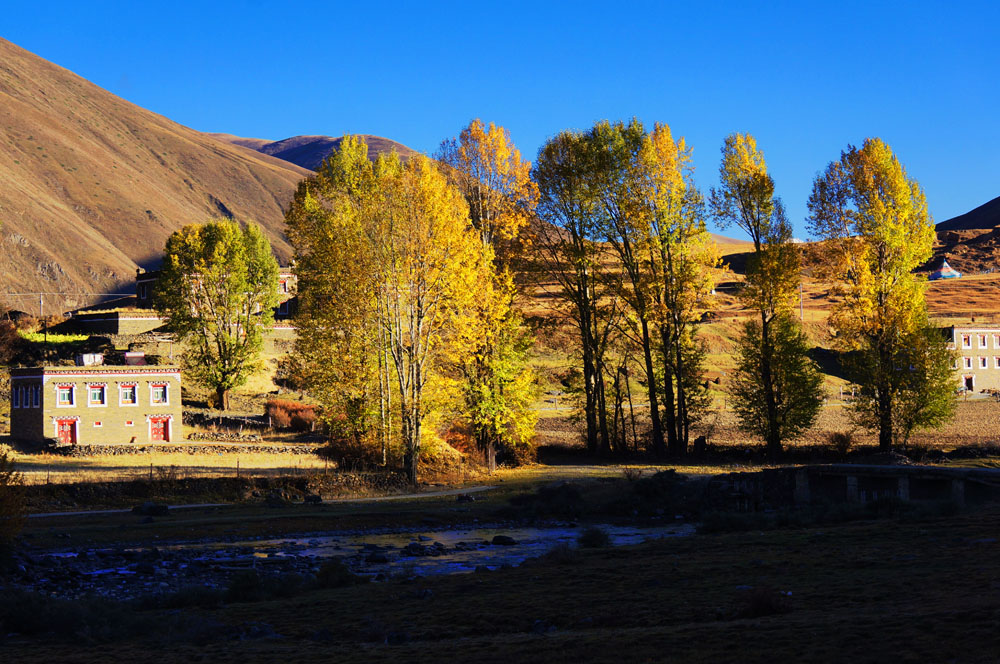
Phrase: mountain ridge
[309,151]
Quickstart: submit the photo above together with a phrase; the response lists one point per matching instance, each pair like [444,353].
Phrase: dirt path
[374,499]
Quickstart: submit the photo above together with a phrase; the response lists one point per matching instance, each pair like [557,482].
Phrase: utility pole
[41,319]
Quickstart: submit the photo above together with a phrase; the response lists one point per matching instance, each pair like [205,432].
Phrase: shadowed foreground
[899,590]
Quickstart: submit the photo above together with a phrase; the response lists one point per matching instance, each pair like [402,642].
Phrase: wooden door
[158,430]
[67,431]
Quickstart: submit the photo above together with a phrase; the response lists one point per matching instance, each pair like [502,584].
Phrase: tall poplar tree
[572,254]
[873,218]
[498,384]
[776,386]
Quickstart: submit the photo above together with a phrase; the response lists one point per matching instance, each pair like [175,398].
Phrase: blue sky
[806,78]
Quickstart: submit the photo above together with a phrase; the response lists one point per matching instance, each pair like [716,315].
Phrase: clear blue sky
[806,78]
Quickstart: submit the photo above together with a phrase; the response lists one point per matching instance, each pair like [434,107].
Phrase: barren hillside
[91,185]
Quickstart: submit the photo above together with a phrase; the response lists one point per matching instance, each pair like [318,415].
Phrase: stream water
[129,572]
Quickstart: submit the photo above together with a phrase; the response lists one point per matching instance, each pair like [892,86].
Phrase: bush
[285,414]
[840,442]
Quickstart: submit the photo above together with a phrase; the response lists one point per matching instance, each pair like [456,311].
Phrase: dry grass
[58,469]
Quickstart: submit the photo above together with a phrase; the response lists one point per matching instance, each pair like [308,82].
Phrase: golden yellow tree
[390,273]
[337,309]
[499,385]
[430,270]
[873,218]
[488,170]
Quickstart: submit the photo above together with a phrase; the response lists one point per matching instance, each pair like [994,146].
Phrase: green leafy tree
[922,385]
[873,219]
[217,290]
[786,406]
[768,404]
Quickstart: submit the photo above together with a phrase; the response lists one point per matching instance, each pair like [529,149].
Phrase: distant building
[135,314]
[96,404]
[978,366]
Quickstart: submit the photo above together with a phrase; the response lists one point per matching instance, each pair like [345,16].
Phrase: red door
[67,431]
[158,430]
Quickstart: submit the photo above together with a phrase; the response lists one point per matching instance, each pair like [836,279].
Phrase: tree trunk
[767,382]
[222,398]
[884,401]
[659,449]
[590,396]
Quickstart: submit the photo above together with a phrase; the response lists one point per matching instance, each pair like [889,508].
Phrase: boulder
[504,540]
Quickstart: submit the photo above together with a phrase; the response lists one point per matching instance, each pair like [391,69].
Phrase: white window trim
[968,363]
[121,389]
[72,396]
[981,338]
[130,423]
[983,363]
[166,394]
[966,341]
[15,396]
[98,424]
[36,396]
[104,387]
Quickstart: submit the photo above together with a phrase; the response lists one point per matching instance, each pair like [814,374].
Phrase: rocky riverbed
[130,572]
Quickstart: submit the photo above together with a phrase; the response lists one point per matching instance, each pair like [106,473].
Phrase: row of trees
[409,302]
[624,236]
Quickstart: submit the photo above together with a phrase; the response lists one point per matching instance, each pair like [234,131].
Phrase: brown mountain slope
[91,185]
[310,151]
[984,217]
[970,242]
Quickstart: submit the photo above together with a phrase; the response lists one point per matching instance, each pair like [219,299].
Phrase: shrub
[840,442]
[631,474]
[284,414]
[303,422]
